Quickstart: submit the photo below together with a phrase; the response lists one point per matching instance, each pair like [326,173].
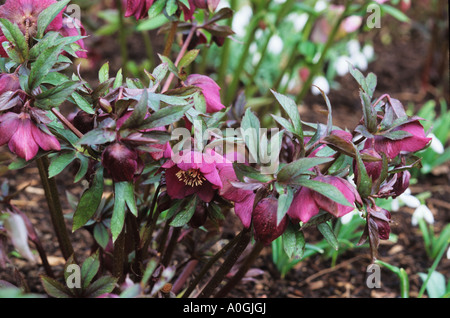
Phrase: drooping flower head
[138,8]
[210,90]
[265,221]
[307,203]
[121,162]
[25,136]
[413,141]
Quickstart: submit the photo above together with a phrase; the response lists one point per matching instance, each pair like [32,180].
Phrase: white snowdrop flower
[275,45]
[284,80]
[409,200]
[342,65]
[299,20]
[253,48]
[18,233]
[395,205]
[322,83]
[320,5]
[360,61]
[256,58]
[422,212]
[368,51]
[436,144]
[241,20]
[448,253]
[293,83]
[258,34]
[353,47]
[223,4]
[348,217]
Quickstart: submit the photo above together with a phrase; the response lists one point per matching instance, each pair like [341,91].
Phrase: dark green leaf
[15,36]
[284,202]
[55,288]
[185,215]
[328,234]
[48,15]
[59,163]
[55,96]
[103,285]
[89,202]
[42,66]
[188,58]
[293,242]
[290,106]
[89,269]
[250,127]
[293,169]
[165,116]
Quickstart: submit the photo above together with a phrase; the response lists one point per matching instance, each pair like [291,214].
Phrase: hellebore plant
[146,193]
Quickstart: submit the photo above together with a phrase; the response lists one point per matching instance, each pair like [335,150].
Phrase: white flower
[275,45]
[223,4]
[320,5]
[18,233]
[322,83]
[241,20]
[299,20]
[422,212]
[280,1]
[368,51]
[436,144]
[359,60]
[342,65]
[448,253]
[348,217]
[409,200]
[353,47]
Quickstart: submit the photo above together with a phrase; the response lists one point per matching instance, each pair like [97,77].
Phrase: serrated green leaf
[103,285]
[302,165]
[188,58]
[89,269]
[284,202]
[103,73]
[54,288]
[326,189]
[290,107]
[42,66]
[15,36]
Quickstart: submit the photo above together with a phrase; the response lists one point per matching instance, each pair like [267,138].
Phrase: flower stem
[225,56]
[54,205]
[122,37]
[179,57]
[210,263]
[229,262]
[170,38]
[222,293]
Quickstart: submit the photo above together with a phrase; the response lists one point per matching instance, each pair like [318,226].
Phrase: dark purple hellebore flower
[193,173]
[24,137]
[373,168]
[381,218]
[122,163]
[307,202]
[25,14]
[402,183]
[392,148]
[138,8]
[210,90]
[265,221]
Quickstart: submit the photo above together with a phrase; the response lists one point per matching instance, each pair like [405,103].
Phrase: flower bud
[83,121]
[120,161]
[9,82]
[265,221]
[382,219]
[402,183]
[18,233]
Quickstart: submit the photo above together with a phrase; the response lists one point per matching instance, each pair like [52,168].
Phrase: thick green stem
[318,66]
[229,262]
[242,271]
[54,205]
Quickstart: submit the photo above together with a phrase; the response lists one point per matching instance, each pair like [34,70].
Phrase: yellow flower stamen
[192,177]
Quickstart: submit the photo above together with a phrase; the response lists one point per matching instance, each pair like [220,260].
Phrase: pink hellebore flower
[193,173]
[24,137]
[265,221]
[210,90]
[392,148]
[25,14]
[138,8]
[122,163]
[307,202]
[243,199]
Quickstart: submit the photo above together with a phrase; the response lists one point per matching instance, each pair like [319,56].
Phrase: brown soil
[399,67]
